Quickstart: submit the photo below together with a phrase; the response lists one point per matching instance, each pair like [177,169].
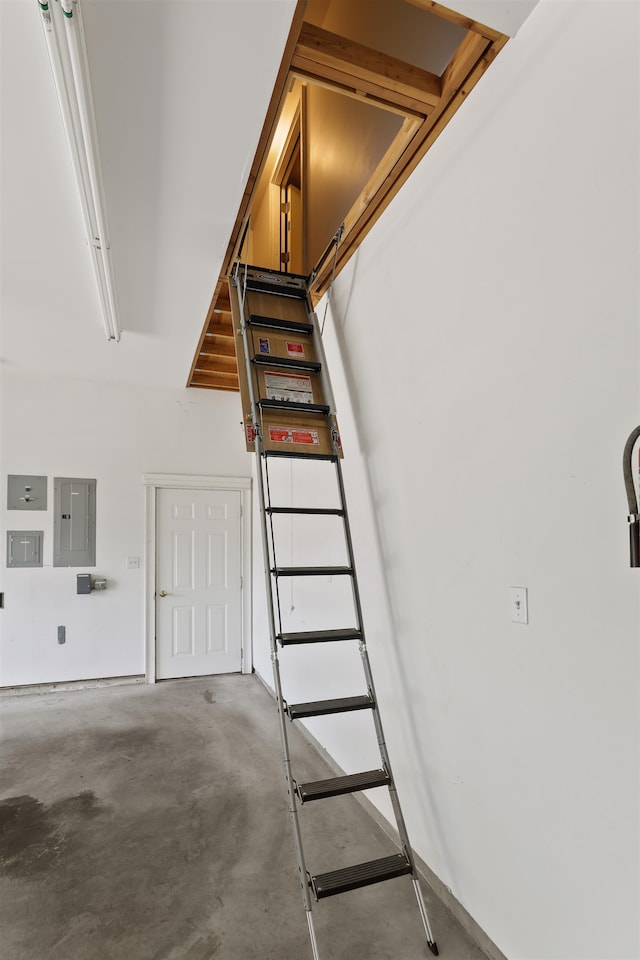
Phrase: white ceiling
[181,88]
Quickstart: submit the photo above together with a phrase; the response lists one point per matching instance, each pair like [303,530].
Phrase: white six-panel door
[198,582]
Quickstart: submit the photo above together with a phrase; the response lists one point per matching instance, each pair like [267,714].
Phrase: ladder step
[359,875]
[275,323]
[336,786]
[294,405]
[321,708]
[312,571]
[307,511]
[267,360]
[319,636]
[289,455]
[279,288]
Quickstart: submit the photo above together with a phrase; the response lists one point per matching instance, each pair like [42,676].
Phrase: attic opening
[364,89]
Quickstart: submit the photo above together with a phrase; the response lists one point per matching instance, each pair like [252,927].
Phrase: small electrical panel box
[24,548]
[26,492]
[83,583]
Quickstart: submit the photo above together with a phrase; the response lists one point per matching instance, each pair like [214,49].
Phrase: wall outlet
[519,604]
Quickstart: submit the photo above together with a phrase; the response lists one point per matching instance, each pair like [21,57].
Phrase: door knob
[163,593]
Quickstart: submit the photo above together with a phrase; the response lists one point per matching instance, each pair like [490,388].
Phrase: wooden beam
[214,300]
[214,381]
[209,364]
[462,62]
[220,326]
[223,302]
[213,345]
[365,65]
[365,91]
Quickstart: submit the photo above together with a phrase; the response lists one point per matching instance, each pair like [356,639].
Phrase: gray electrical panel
[74,522]
[24,548]
[26,492]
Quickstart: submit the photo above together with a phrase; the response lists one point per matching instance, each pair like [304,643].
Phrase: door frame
[152,483]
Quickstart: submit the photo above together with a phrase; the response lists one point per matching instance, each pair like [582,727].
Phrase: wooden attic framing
[425,101]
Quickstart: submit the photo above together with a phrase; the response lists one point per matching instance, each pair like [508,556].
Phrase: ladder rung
[311,571]
[273,286]
[359,875]
[319,636]
[336,786]
[275,323]
[294,405]
[322,708]
[268,360]
[292,455]
[307,511]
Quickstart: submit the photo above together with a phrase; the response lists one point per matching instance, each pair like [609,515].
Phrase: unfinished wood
[285,431]
[466,56]
[216,346]
[358,72]
[268,129]
[222,303]
[220,326]
[367,65]
[373,93]
[277,343]
[207,364]
[467,66]
[213,381]
[221,292]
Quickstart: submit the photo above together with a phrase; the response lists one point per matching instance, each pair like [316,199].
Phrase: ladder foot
[434,948]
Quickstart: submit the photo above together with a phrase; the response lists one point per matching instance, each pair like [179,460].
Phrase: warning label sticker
[295,350]
[264,345]
[251,433]
[293,435]
[282,386]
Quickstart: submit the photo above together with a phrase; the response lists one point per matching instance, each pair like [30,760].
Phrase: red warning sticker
[251,433]
[293,435]
[295,350]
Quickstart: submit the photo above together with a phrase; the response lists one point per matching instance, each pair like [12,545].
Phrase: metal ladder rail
[382,745]
[293,810]
[402,831]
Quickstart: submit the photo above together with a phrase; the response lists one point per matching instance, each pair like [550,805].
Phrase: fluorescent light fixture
[62,23]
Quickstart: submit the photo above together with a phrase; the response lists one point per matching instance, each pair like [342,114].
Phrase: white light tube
[67,53]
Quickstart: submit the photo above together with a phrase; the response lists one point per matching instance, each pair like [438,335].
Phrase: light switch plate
[519,603]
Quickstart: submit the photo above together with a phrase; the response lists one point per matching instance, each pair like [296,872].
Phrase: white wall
[485,338]
[115,433]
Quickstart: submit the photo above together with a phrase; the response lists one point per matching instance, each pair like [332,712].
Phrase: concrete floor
[150,823]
